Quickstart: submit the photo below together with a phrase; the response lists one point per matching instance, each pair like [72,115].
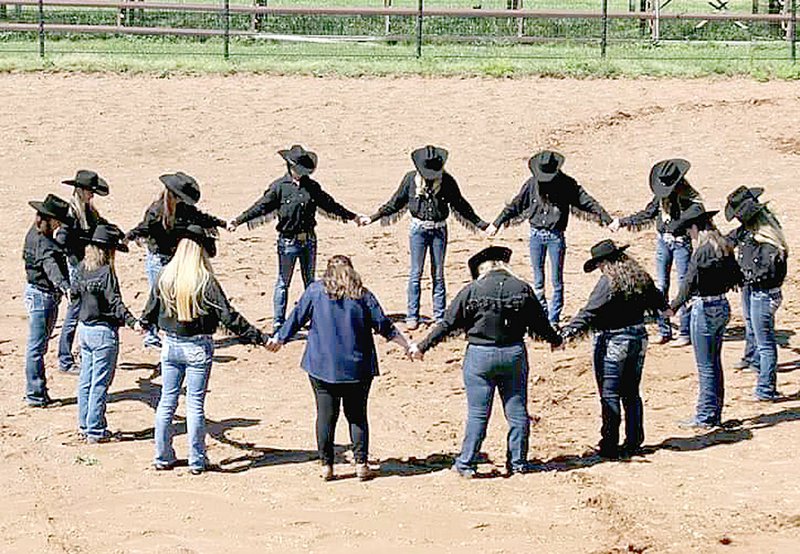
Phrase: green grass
[179,56]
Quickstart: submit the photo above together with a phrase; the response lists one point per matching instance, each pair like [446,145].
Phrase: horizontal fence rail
[222,13]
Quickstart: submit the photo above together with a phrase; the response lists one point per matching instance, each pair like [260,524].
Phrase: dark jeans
[546,243]
[330,397]
[669,250]
[504,368]
[618,362]
[709,319]
[422,240]
[66,361]
[763,305]
[42,308]
[290,250]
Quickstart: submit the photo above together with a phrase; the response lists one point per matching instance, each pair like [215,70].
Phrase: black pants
[330,397]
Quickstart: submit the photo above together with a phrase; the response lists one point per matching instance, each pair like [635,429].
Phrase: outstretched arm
[462,209]
[262,207]
[215,297]
[514,211]
[396,203]
[586,203]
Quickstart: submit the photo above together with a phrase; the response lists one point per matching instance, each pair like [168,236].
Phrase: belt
[774,290]
[302,237]
[713,298]
[429,224]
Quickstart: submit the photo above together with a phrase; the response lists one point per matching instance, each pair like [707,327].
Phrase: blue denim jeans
[420,241]
[42,311]
[487,368]
[709,319]
[99,350]
[290,250]
[668,251]
[618,362]
[189,359]
[545,243]
[153,263]
[763,305]
[750,351]
[66,361]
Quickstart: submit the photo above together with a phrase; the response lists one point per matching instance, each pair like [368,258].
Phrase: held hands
[491,230]
[615,225]
[413,353]
[231,226]
[363,220]
[137,326]
[273,345]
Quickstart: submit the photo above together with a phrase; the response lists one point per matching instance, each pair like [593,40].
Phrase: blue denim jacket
[340,346]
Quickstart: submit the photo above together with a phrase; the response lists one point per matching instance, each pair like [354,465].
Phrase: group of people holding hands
[70,252]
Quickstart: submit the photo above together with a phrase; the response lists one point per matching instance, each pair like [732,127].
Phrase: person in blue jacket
[340,355]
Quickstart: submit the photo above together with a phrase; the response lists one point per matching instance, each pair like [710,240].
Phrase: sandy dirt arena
[736,490]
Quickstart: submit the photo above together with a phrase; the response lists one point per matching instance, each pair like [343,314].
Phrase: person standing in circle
[85,218]
[763,253]
[496,310]
[712,272]
[546,200]
[340,356]
[47,282]
[616,310]
[429,193]
[295,199]
[174,208]
[188,304]
[672,196]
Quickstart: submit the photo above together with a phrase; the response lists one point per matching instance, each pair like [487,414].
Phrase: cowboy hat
[695,214]
[492,253]
[430,161]
[303,161]
[199,235]
[738,197]
[52,207]
[603,250]
[184,186]
[666,174]
[88,180]
[108,236]
[545,165]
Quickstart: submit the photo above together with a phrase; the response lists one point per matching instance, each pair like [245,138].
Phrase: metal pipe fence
[415,22]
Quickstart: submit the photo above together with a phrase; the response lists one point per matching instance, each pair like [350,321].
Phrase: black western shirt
[710,273]
[45,263]
[163,241]
[100,299]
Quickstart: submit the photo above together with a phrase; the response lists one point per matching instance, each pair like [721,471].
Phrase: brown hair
[46,225]
[341,280]
[627,276]
[169,204]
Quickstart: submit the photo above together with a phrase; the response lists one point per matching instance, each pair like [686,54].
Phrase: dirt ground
[736,490]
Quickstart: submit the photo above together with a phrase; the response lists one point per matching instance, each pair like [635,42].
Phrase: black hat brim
[658,187]
[172,182]
[300,169]
[419,156]
[492,253]
[42,209]
[697,220]
[593,263]
[542,176]
[101,189]
[731,208]
[109,245]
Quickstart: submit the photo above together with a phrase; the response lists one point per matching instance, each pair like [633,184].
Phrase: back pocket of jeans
[617,350]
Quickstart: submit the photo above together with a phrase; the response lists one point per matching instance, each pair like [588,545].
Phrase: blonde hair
[184,279]
[341,280]
[711,235]
[97,257]
[491,265]
[767,229]
[168,204]
[81,206]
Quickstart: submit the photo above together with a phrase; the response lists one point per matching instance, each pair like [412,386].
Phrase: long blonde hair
[341,280]
[767,229]
[491,265]
[184,279]
[81,207]
[97,257]
[711,235]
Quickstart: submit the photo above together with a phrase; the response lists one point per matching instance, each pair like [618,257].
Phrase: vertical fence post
[604,36]
[227,37]
[41,28]
[657,20]
[387,24]
[793,31]
[419,29]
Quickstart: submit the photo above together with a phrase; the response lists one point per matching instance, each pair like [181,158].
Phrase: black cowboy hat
[695,214]
[89,180]
[108,236]
[303,161]
[545,165]
[184,186]
[739,196]
[748,209]
[603,250]
[199,235]
[53,207]
[429,161]
[666,174]
[492,253]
